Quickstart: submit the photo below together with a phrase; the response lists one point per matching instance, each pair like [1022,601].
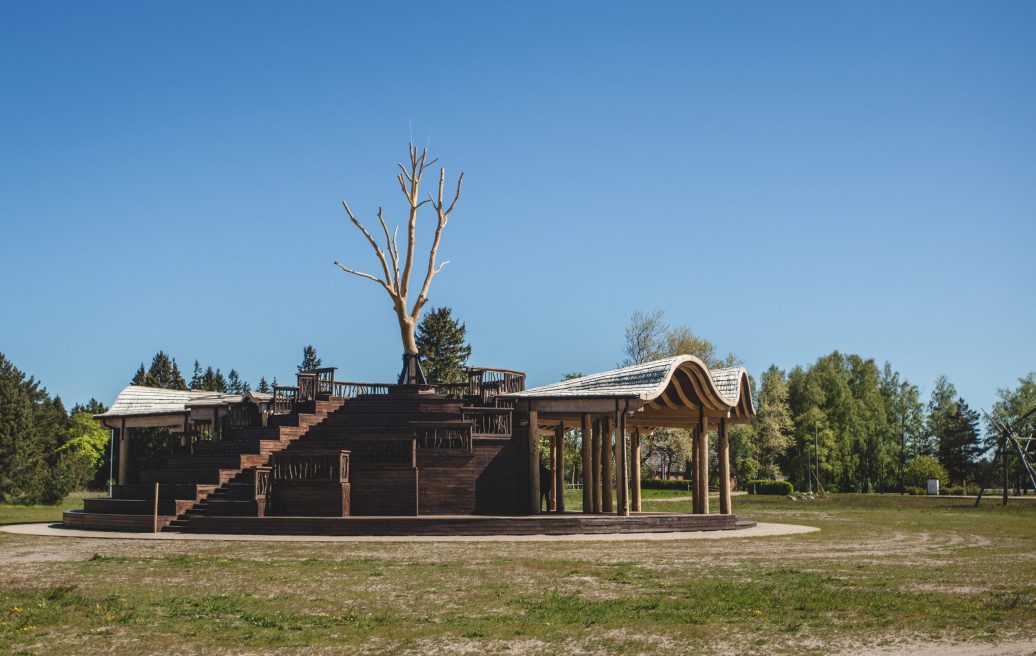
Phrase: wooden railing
[243,415]
[495,421]
[486,384]
[347,390]
[316,465]
[261,480]
[438,436]
[453,390]
[316,383]
[284,398]
[387,451]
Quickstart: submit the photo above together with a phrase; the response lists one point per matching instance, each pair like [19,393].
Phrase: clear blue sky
[785,178]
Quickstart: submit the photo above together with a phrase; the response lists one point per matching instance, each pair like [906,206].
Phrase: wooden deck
[560,524]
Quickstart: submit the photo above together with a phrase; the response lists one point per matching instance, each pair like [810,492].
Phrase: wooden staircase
[215,479]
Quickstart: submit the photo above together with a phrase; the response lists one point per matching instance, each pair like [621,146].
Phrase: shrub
[762,486]
[920,469]
[914,490]
[662,484]
[952,490]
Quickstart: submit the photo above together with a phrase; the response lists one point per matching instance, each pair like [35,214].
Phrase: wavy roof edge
[645,382]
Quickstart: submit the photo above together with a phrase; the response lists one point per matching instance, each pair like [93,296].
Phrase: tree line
[842,422]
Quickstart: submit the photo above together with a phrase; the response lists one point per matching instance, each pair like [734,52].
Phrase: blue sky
[785,178]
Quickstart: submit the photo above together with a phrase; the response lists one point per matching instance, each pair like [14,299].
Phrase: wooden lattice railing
[284,398]
[316,465]
[486,384]
[348,390]
[439,436]
[494,421]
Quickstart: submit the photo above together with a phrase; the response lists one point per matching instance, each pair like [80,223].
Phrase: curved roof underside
[674,384]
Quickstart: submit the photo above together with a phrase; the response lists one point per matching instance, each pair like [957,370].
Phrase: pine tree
[310,361]
[264,386]
[234,383]
[196,377]
[959,442]
[441,344]
[22,464]
[139,378]
[176,380]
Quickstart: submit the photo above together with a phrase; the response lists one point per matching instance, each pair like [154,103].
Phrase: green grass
[883,570]
[19,514]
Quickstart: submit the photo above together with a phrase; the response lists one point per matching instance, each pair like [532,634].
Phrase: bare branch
[374,245]
[456,196]
[364,275]
[432,269]
[392,252]
[403,169]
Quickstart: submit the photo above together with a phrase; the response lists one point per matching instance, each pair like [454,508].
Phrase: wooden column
[724,468]
[534,462]
[552,459]
[595,465]
[621,469]
[588,483]
[635,468]
[123,455]
[703,465]
[606,466]
[559,468]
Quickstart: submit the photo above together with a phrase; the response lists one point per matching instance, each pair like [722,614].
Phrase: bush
[662,484]
[762,486]
[916,491]
[952,490]
[920,469]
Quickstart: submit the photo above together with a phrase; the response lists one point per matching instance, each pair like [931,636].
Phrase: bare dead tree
[396,269]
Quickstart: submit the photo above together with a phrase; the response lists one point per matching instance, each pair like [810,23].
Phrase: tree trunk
[406,329]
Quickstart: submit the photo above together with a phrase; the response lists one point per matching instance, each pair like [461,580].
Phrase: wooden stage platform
[546,524]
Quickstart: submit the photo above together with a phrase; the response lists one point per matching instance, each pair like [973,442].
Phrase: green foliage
[441,342]
[772,423]
[310,361]
[663,484]
[163,372]
[920,469]
[954,426]
[86,436]
[764,486]
[263,386]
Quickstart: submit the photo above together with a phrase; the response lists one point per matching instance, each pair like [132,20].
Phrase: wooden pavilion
[342,458]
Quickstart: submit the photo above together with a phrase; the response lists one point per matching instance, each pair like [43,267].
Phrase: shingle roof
[641,381]
[138,400]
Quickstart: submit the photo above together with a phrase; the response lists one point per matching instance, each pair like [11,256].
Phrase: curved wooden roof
[674,387]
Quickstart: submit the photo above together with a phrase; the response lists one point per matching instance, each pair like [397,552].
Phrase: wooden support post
[534,462]
[154,514]
[552,459]
[588,484]
[703,465]
[559,469]
[724,468]
[606,466]
[123,454]
[635,468]
[621,473]
[595,447]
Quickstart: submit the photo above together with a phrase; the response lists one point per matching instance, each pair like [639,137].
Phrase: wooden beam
[635,469]
[576,407]
[534,462]
[585,438]
[606,466]
[552,458]
[724,469]
[621,472]
[595,465]
[559,474]
[123,455]
[703,465]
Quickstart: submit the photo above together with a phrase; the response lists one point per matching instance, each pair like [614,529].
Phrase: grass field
[885,574]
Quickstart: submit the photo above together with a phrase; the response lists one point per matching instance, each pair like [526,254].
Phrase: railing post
[154,514]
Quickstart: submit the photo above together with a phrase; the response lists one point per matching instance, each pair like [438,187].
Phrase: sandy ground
[757,531]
